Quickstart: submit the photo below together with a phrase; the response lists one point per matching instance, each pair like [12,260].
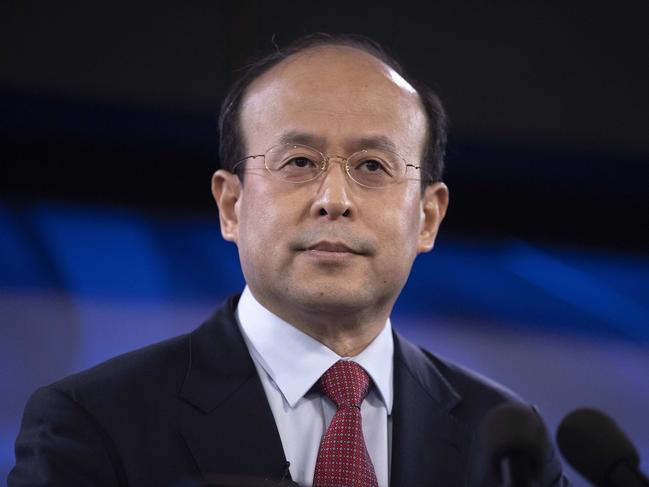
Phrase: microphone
[599,450]
[512,440]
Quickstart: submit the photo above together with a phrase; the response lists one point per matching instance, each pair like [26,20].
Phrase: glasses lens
[294,163]
[376,168]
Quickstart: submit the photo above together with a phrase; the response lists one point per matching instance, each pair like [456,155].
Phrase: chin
[338,299]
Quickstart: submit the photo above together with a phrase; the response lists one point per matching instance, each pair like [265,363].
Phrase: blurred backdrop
[109,239]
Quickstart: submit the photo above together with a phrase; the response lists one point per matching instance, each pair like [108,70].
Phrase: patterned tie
[343,460]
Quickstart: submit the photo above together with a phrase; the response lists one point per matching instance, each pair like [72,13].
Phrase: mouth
[330,252]
[332,247]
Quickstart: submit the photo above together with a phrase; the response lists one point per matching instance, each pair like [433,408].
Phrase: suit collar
[423,371]
[229,427]
[226,420]
[428,442]
[301,360]
[217,350]
[218,360]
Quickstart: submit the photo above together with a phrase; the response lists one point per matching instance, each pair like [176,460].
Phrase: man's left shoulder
[469,382]
[475,393]
[467,396]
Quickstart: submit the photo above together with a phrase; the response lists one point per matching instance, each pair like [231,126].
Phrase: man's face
[329,243]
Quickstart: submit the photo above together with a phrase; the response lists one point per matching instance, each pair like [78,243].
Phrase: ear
[226,189]
[433,208]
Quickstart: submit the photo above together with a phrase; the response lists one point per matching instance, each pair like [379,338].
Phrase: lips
[332,242]
[337,247]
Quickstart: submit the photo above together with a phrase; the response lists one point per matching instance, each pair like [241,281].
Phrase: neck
[345,340]
[347,333]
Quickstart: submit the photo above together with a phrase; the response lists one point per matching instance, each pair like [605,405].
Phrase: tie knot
[346,383]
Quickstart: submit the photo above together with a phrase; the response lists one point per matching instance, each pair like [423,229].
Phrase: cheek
[259,227]
[411,224]
[408,237]
[406,215]
[397,229]
[264,218]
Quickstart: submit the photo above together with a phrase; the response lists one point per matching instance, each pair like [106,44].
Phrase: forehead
[338,94]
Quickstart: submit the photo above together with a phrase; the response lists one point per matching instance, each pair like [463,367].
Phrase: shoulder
[153,373]
[161,365]
[467,397]
[469,382]
[480,395]
[152,376]
[469,394]
[82,422]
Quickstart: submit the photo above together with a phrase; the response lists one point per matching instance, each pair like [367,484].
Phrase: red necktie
[343,460]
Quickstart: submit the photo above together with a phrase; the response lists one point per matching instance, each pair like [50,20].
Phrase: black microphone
[599,450]
[512,440]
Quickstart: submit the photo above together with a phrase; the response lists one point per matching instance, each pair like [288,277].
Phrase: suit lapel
[226,420]
[428,443]
[230,430]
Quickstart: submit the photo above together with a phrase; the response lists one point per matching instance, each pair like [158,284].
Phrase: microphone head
[512,431]
[594,444]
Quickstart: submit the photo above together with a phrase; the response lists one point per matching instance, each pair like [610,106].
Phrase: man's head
[329,246]
[232,147]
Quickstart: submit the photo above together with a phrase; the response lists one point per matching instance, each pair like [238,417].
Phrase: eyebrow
[376,142]
[295,137]
[367,142]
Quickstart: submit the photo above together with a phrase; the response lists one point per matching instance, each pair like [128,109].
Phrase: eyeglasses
[371,168]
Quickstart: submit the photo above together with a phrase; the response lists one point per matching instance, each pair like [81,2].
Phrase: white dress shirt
[290,362]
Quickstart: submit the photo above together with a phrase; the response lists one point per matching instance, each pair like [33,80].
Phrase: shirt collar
[295,361]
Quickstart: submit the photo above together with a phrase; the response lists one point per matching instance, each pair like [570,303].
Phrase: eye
[300,162]
[371,166]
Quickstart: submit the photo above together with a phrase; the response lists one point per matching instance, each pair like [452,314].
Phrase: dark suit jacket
[193,407]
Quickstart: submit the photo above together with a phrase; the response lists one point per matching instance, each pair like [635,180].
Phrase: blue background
[109,238]
[563,327]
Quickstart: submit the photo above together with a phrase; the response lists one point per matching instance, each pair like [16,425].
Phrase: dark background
[109,236]
[115,103]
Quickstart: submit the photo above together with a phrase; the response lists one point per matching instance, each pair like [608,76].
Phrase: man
[330,187]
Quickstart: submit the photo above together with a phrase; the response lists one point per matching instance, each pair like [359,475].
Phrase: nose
[332,198]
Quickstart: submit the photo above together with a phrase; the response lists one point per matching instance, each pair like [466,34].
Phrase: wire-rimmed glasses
[371,168]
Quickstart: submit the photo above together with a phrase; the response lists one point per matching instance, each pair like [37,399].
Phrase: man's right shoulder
[162,366]
[111,422]
[157,370]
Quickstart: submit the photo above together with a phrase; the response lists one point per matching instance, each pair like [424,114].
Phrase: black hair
[231,142]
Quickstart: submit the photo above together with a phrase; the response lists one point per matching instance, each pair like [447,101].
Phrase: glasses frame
[326,161]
